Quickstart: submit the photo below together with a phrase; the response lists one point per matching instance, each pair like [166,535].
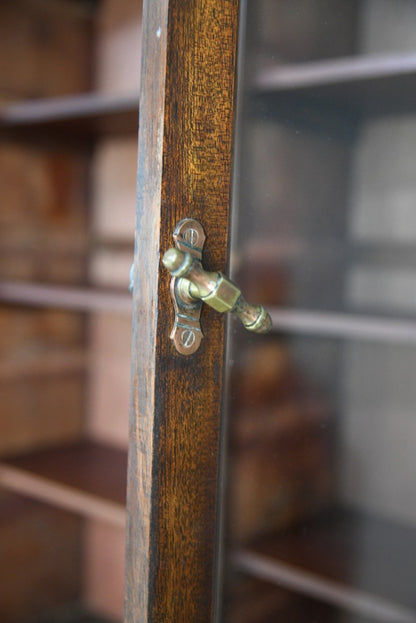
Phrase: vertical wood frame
[184,170]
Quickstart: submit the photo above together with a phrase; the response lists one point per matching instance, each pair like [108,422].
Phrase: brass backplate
[189,236]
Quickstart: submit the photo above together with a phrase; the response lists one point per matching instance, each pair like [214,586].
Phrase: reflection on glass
[322,489]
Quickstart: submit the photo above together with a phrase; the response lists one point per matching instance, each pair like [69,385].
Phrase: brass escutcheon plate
[189,236]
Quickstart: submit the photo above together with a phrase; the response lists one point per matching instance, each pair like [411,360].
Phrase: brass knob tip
[267,323]
[177,262]
[172,259]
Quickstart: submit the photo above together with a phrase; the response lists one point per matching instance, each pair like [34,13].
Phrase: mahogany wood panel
[185,144]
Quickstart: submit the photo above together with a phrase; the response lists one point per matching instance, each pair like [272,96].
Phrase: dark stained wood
[186,120]
[76,474]
[365,553]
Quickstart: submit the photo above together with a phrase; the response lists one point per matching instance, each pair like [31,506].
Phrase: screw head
[191,236]
[188,338]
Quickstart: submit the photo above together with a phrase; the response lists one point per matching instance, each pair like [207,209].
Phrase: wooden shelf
[287,249]
[73,616]
[344,326]
[351,560]
[85,477]
[47,363]
[249,600]
[365,85]
[64,297]
[80,116]
[315,323]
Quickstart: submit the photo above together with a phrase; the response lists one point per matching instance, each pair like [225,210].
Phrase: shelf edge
[334,71]
[62,496]
[312,585]
[77,299]
[341,325]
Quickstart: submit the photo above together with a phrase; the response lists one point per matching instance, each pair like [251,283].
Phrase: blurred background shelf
[69,100]
[45,363]
[72,615]
[64,297]
[85,116]
[355,561]
[365,85]
[251,600]
[342,325]
[84,477]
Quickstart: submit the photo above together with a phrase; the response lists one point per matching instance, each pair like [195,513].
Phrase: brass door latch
[191,285]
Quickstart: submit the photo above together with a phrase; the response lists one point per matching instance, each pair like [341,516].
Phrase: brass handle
[194,283]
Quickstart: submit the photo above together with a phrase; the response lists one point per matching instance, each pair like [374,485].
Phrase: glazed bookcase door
[184,170]
[322,428]
[321,512]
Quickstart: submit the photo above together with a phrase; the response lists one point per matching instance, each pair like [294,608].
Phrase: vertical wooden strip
[176,413]
[145,299]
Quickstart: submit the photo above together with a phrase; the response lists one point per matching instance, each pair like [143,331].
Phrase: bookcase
[320,496]
[69,91]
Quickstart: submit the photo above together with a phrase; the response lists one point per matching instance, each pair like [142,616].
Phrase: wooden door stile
[185,147]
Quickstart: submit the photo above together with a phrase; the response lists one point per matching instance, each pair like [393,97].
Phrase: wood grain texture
[185,144]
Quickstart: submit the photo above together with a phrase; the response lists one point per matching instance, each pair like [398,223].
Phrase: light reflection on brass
[186,333]
[194,283]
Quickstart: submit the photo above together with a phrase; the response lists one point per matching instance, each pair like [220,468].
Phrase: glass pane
[322,426]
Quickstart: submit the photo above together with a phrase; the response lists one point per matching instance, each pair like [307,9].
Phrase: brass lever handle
[194,283]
